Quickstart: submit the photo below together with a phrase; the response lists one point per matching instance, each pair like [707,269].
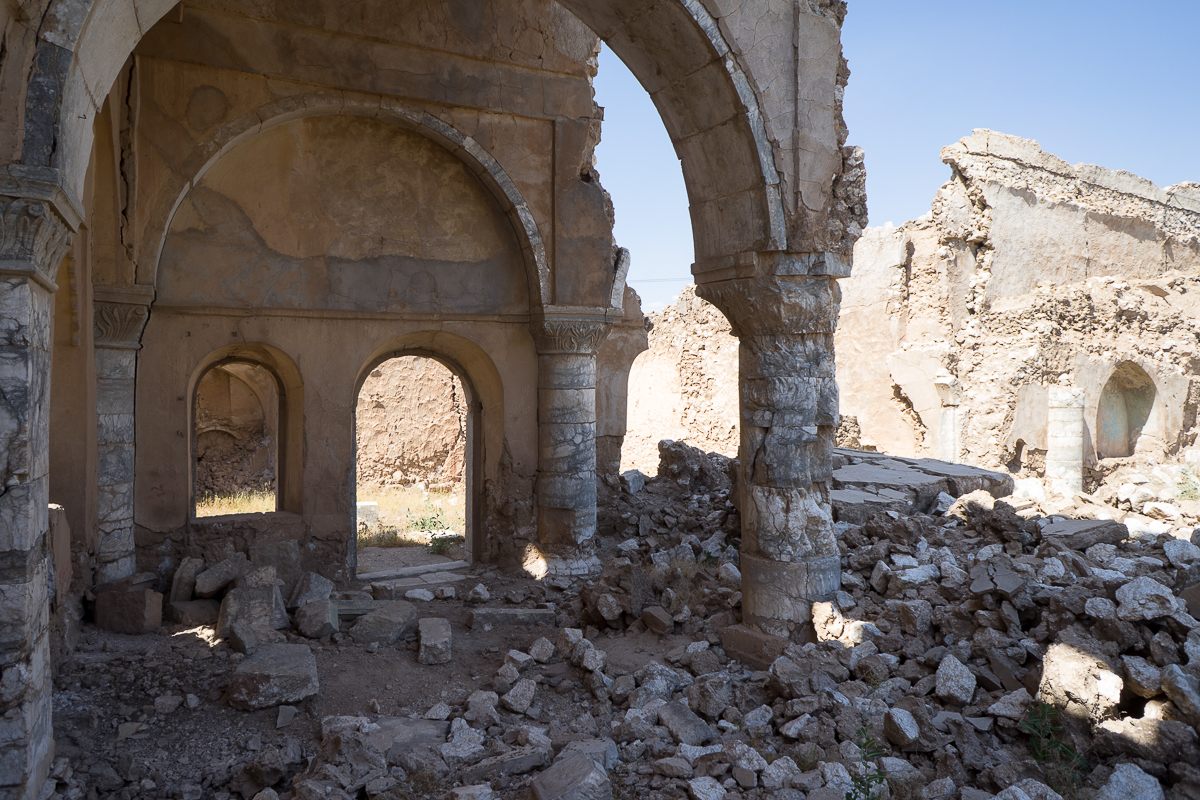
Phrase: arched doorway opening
[1124,411]
[415,463]
[235,465]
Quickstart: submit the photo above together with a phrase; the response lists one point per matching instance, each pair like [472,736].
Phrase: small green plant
[1189,485]
[444,545]
[866,780]
[1061,763]
[426,523]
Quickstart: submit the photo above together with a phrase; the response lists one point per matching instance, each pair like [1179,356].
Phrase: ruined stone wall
[411,424]
[685,387]
[1027,274]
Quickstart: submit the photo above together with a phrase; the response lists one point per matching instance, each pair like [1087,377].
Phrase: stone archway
[1124,410]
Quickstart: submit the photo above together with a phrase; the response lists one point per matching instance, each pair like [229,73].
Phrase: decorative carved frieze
[119,325]
[569,335]
[33,239]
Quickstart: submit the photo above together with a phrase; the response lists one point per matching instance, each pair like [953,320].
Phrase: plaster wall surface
[1028,274]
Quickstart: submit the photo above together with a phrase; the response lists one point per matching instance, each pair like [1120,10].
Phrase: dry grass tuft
[219,505]
[410,515]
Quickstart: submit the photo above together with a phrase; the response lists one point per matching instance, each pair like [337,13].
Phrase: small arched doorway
[416,462]
[236,447]
[1123,411]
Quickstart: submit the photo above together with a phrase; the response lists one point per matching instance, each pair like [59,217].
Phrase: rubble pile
[981,649]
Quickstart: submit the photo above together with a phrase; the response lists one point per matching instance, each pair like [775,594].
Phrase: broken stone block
[542,650]
[520,696]
[1128,781]
[1161,741]
[658,620]
[465,744]
[132,612]
[386,625]
[1184,691]
[317,619]
[955,683]
[502,617]
[191,613]
[183,585]
[673,767]
[705,788]
[274,675]
[602,751]
[1012,705]
[779,773]
[574,778]
[310,587]
[900,728]
[710,695]
[1080,534]
[252,606]
[210,582]
[248,638]
[284,557]
[408,735]
[1144,599]
[1143,678]
[1079,682]
[435,643]
[685,726]
[515,762]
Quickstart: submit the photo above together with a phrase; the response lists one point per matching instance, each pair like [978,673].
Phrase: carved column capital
[776,305]
[120,316]
[36,228]
[575,333]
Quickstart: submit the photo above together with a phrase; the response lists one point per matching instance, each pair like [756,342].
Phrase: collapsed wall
[684,387]
[411,424]
[1035,297]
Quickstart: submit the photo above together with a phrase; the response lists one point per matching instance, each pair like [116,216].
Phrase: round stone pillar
[566,479]
[36,224]
[789,412]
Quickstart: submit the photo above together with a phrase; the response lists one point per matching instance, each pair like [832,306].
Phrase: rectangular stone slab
[274,675]
[501,617]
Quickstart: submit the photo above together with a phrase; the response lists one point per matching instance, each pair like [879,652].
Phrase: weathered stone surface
[1128,782]
[212,580]
[503,617]
[385,625]
[574,778]
[183,584]
[602,751]
[684,725]
[275,674]
[284,557]
[710,695]
[705,788]
[1078,681]
[955,683]
[191,613]
[900,728]
[515,762]
[520,696]
[658,620]
[1141,677]
[129,612]
[253,606]
[1184,691]
[434,642]
[310,587]
[1145,599]
[317,619]
[407,735]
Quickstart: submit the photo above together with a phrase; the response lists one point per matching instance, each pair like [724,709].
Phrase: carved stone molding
[582,336]
[34,239]
[776,305]
[118,326]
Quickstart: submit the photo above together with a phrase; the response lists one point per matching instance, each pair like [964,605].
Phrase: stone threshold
[408,572]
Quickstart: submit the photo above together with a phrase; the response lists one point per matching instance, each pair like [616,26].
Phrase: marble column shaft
[36,223]
[789,412]
[566,482]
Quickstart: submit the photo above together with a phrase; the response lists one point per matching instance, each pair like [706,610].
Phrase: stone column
[789,413]
[950,421]
[1064,441]
[566,480]
[36,223]
[120,316]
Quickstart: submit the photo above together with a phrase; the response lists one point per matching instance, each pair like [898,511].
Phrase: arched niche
[1124,411]
[289,413]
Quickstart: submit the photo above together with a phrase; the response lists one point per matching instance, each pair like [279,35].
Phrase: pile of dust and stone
[956,621]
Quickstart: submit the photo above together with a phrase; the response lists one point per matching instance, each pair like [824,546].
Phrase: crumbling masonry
[313,190]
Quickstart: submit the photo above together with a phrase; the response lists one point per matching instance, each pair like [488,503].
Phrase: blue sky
[1115,84]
